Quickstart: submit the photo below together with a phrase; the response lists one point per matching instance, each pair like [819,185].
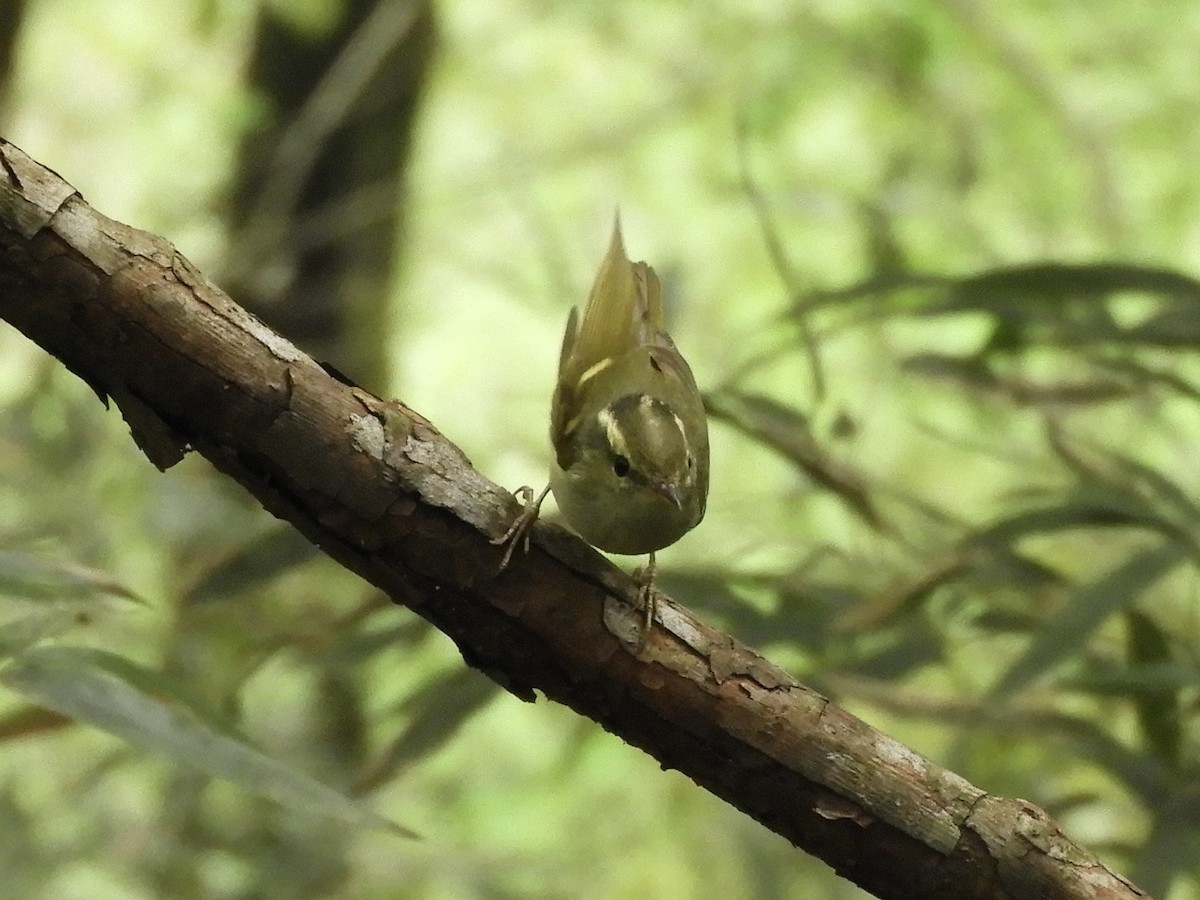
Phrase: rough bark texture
[379,489]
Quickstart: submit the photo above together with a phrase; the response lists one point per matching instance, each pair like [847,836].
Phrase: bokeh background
[930,262]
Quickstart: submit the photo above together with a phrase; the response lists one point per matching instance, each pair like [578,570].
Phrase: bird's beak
[671,492]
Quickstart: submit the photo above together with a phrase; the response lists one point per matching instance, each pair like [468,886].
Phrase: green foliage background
[930,261]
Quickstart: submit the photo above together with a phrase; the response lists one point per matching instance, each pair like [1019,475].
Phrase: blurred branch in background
[317,204]
[11,12]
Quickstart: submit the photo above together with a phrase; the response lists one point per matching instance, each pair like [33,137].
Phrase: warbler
[627,425]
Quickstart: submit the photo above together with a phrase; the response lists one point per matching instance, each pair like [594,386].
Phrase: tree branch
[378,488]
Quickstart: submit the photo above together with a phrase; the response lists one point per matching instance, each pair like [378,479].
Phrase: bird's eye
[690,462]
[620,466]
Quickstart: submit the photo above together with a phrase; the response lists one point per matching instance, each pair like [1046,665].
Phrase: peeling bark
[378,488]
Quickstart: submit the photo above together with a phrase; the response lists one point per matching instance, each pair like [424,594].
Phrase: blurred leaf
[1169,499]
[24,852]
[31,720]
[972,371]
[358,645]
[907,594]
[1158,708]
[972,564]
[36,577]
[1005,621]
[1173,845]
[1061,299]
[1099,678]
[1178,327]
[1077,801]
[1005,567]
[1074,512]
[786,431]
[885,254]
[142,707]
[1089,739]
[892,294]
[21,633]
[899,651]
[976,373]
[800,613]
[436,711]
[709,591]
[1143,375]
[1103,498]
[1124,484]
[252,565]
[998,289]
[1068,628]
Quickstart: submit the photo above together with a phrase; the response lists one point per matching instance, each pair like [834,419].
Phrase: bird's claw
[647,600]
[520,529]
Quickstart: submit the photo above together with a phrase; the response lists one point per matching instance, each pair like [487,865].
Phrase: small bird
[627,423]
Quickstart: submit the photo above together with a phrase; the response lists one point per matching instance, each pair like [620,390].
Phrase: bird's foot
[522,524]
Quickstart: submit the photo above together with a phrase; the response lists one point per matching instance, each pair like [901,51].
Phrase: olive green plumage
[627,423]
[630,470]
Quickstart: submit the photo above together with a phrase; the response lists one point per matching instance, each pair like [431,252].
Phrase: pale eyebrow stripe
[687,448]
[616,440]
[683,436]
